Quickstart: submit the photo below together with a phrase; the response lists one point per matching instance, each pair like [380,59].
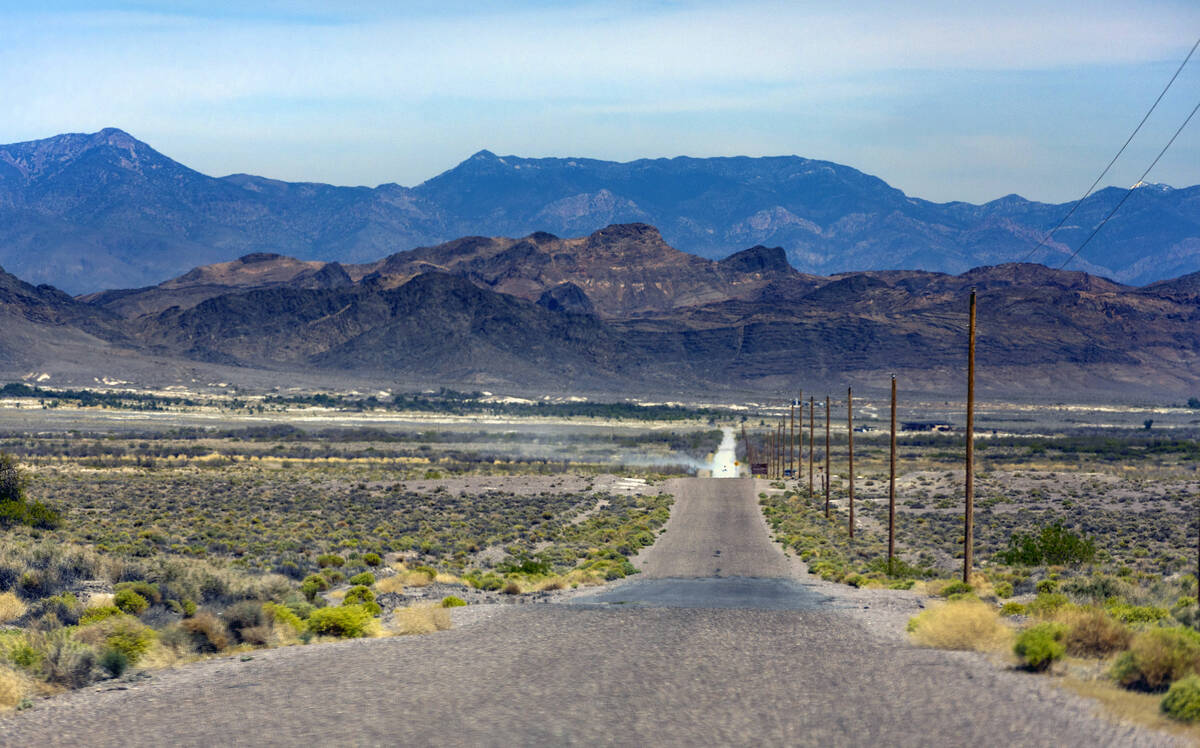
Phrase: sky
[944,100]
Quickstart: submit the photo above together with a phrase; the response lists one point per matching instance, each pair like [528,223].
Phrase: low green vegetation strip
[123,568]
[1052,594]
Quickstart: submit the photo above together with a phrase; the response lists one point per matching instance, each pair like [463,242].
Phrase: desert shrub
[146,589]
[1158,657]
[327,560]
[243,618]
[207,632]
[1012,609]
[1137,613]
[364,578]
[372,559]
[121,633]
[14,508]
[1040,645]
[11,607]
[901,584]
[68,662]
[358,594]
[421,619]
[114,661]
[1047,604]
[1096,587]
[453,602]
[1182,701]
[1092,632]
[313,584]
[1003,590]
[281,614]
[1047,587]
[130,602]
[64,608]
[12,689]
[960,624]
[99,613]
[348,621]
[1053,545]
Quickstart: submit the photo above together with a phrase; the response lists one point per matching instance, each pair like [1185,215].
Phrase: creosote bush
[453,602]
[347,621]
[960,624]
[130,602]
[1092,632]
[1040,645]
[1182,701]
[1158,657]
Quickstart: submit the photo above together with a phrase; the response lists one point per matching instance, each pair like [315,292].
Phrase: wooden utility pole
[792,442]
[782,446]
[811,419]
[827,481]
[799,468]
[892,489]
[969,514]
[850,441]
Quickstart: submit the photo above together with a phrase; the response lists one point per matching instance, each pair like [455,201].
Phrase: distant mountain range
[88,212]
[618,311]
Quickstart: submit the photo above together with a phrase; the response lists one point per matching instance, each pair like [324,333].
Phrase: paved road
[664,660]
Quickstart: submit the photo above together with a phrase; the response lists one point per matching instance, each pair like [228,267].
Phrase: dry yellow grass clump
[12,689]
[961,624]
[421,619]
[11,607]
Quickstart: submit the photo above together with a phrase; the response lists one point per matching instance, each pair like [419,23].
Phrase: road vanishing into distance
[718,642]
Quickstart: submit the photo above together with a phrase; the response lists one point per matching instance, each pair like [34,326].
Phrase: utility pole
[892,489]
[799,467]
[850,441]
[792,442]
[810,448]
[969,514]
[827,481]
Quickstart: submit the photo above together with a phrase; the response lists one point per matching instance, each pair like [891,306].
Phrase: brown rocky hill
[622,269]
[618,311]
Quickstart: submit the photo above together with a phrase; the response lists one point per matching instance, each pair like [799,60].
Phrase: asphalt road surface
[716,645]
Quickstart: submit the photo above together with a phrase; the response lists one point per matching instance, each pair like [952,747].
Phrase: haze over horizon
[945,103]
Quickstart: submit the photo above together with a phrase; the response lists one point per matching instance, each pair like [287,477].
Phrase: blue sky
[943,100]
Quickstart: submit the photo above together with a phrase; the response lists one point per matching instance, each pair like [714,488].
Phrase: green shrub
[326,560]
[14,508]
[365,578]
[145,589]
[1004,590]
[1040,645]
[1047,587]
[130,637]
[1137,613]
[1054,545]
[285,615]
[1047,603]
[1158,657]
[130,602]
[453,602]
[372,559]
[1182,701]
[114,661]
[312,585]
[358,594]
[956,588]
[1012,609]
[348,622]
[901,584]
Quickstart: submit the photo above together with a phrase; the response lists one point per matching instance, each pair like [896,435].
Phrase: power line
[1128,140]
[1134,187]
